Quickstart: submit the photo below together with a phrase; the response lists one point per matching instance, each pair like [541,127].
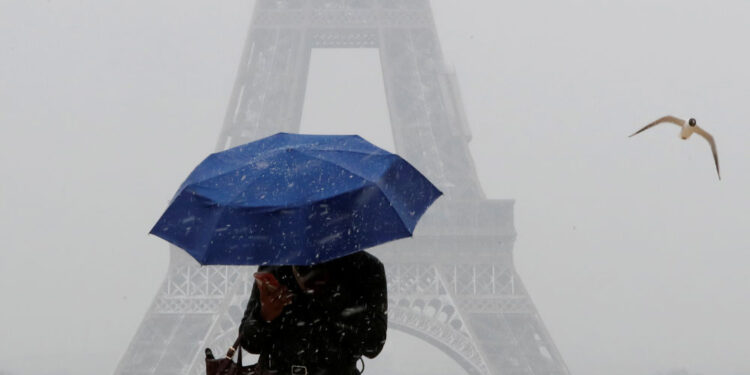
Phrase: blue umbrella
[293,199]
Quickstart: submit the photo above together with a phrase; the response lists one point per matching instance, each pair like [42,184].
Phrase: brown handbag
[226,366]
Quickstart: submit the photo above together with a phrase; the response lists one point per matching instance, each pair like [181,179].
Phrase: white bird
[688,128]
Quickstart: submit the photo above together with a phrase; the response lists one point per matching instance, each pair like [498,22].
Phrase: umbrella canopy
[293,199]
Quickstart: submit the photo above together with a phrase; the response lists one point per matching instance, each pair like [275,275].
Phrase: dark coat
[331,329]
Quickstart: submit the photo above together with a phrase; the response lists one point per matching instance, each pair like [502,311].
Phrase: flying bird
[688,128]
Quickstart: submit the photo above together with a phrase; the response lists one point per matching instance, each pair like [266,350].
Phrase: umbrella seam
[244,165]
[299,152]
[276,208]
[267,152]
[345,168]
[302,204]
[376,183]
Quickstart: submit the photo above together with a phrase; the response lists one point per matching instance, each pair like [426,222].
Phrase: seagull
[688,128]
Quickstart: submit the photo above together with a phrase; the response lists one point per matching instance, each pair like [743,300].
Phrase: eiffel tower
[452,285]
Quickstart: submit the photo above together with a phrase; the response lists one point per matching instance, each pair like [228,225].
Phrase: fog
[634,253]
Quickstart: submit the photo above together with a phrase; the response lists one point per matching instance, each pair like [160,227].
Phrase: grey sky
[633,252]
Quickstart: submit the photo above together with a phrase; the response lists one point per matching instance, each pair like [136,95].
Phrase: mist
[632,250]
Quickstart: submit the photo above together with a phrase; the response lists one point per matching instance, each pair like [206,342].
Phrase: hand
[273,298]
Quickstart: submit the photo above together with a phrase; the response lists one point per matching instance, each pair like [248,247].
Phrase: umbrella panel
[302,235]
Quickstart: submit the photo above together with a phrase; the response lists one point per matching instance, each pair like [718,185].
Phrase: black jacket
[331,329]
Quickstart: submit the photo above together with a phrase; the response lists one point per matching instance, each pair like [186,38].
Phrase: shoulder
[363,259]
[357,264]
[368,264]
[371,260]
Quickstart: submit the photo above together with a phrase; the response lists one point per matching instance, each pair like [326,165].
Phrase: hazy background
[633,251]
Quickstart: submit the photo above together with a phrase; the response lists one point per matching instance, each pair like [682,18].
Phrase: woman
[317,320]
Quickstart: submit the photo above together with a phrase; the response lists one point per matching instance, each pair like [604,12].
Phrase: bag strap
[230,354]
[239,355]
[233,349]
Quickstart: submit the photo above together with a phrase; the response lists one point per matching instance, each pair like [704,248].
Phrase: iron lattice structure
[452,285]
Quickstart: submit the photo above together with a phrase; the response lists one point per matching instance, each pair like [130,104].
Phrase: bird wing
[711,141]
[672,119]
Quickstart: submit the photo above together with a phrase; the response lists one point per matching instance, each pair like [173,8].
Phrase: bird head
[692,122]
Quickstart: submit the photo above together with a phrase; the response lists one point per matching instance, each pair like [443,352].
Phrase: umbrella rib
[273,208]
[393,208]
[275,150]
[380,152]
[278,208]
[376,183]
[234,196]
[245,165]
[206,236]
[339,165]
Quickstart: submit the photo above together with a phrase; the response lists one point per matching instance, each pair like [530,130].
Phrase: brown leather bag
[226,366]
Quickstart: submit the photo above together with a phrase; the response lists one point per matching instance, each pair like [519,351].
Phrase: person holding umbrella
[317,320]
[303,208]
